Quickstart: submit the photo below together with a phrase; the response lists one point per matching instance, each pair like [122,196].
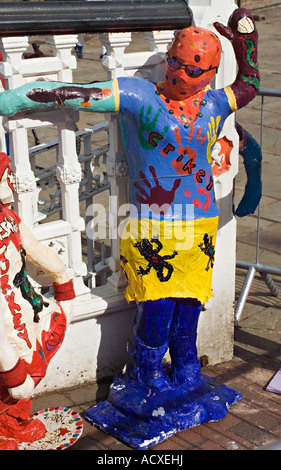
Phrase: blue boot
[151,340]
[147,368]
[186,369]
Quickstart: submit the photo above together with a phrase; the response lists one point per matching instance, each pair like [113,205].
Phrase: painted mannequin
[169,130]
[32,327]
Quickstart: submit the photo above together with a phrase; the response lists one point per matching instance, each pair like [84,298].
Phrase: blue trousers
[162,324]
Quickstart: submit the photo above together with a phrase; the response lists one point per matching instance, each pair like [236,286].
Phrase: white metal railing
[252,268]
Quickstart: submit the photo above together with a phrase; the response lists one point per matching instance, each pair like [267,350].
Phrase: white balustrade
[16,70]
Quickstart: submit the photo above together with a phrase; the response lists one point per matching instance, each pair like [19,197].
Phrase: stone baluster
[12,50]
[62,47]
[69,177]
[91,281]
[115,44]
[158,42]
[25,184]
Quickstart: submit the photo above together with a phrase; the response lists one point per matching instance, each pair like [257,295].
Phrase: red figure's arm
[241,32]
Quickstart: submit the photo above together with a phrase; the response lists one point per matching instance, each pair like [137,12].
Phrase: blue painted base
[142,417]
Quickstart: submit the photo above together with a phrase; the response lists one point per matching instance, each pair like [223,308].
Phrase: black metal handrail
[273,92]
[41,18]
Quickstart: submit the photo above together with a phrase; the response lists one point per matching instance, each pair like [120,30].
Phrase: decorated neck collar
[186,111]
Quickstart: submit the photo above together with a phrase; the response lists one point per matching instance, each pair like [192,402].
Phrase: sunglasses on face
[191,70]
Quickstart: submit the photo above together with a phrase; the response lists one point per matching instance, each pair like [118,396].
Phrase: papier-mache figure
[169,130]
[32,327]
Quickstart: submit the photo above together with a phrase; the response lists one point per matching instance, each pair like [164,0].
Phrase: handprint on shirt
[147,125]
[212,135]
[186,162]
[156,197]
[205,191]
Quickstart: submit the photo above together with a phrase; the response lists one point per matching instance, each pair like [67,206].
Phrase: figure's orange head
[192,62]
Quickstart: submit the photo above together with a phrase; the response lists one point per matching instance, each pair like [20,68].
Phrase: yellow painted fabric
[168,259]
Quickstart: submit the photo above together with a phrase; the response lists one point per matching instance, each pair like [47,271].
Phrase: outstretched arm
[94,97]
[43,256]
[242,33]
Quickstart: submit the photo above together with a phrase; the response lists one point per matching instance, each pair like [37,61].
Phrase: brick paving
[255,421]
[252,423]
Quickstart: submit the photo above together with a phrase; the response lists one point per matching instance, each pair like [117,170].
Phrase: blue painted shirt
[170,163]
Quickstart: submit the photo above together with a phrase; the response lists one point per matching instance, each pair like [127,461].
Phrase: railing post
[69,177]
[12,50]
[117,171]
[25,184]
[62,49]
[158,42]
[91,282]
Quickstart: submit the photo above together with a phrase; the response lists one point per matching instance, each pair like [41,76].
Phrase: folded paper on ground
[274,385]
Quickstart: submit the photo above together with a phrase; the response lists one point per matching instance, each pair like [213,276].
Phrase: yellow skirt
[164,259]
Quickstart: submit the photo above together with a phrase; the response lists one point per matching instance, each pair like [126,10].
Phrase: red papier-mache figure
[32,327]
